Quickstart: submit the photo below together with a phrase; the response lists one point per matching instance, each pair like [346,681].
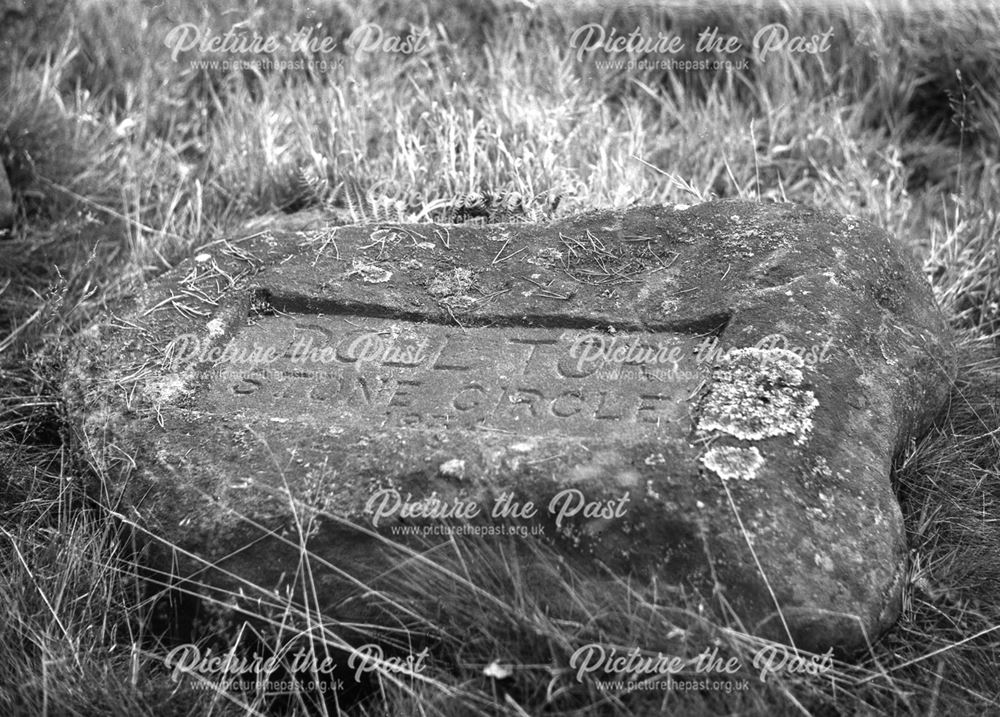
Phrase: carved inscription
[385,372]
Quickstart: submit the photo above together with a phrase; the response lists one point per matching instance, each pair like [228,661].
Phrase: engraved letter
[442,364]
[530,363]
[247,385]
[567,403]
[401,398]
[526,397]
[469,397]
[605,411]
[648,408]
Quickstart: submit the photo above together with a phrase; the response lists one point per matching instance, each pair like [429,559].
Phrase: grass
[123,160]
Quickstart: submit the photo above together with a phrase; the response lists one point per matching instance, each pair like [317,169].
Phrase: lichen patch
[216,327]
[451,283]
[369,273]
[668,305]
[757,393]
[167,387]
[731,462]
[547,257]
[454,468]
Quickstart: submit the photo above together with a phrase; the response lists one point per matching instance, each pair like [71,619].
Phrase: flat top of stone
[771,355]
[503,327]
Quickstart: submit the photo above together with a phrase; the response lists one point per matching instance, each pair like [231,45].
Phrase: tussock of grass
[949,633]
[123,160]
[966,265]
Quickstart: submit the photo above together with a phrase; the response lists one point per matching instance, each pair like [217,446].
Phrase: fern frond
[355,200]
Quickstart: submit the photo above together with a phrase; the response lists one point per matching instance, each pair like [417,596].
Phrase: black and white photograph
[499,358]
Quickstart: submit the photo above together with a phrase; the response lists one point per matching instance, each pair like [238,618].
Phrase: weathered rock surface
[761,366]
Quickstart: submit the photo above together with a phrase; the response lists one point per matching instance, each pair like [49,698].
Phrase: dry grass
[123,160]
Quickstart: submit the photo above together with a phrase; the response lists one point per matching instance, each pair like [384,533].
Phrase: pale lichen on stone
[454,468]
[733,462]
[216,327]
[166,388]
[668,305]
[546,257]
[369,273]
[451,283]
[757,393]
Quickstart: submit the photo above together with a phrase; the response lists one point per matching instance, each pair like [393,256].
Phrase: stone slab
[722,389]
